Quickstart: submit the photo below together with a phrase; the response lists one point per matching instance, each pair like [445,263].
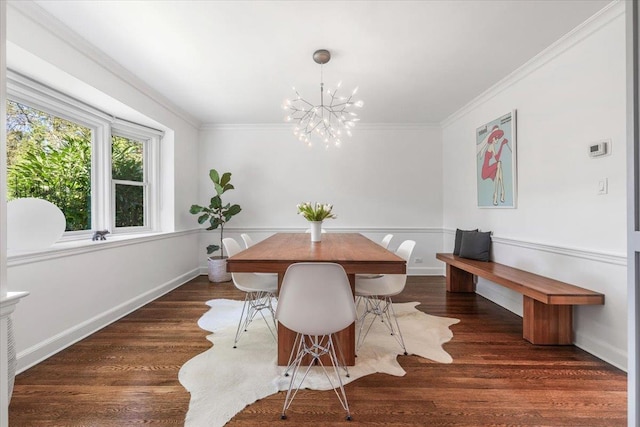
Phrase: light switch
[603,186]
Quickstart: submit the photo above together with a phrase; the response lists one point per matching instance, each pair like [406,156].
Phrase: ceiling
[235,62]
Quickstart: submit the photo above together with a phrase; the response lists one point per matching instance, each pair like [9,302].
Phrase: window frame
[36,95]
[150,157]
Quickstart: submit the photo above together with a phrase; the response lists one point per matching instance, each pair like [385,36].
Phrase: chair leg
[342,396]
[254,303]
[379,307]
[242,322]
[316,347]
[371,306]
[397,336]
[342,362]
[296,344]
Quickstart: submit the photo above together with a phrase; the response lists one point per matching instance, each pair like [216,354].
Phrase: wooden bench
[547,303]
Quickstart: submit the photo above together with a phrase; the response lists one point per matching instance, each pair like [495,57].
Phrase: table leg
[346,338]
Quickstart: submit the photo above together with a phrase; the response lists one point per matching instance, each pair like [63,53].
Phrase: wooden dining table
[354,252]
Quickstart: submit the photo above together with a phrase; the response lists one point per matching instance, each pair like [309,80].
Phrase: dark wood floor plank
[126,374]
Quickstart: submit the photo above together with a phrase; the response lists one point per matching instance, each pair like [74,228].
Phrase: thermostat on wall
[599,149]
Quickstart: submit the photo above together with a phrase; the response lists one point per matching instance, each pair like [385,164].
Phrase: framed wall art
[496,161]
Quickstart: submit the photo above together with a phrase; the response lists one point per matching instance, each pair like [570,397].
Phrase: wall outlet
[418,260]
[603,186]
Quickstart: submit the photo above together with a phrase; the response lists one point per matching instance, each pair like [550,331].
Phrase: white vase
[316,231]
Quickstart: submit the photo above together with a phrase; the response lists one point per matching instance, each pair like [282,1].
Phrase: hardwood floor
[126,374]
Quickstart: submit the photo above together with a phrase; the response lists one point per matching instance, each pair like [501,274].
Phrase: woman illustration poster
[495,156]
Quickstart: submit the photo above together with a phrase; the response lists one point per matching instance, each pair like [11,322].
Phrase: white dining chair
[260,291]
[386,240]
[315,302]
[385,244]
[248,241]
[375,294]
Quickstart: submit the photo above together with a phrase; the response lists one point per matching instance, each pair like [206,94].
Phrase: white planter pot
[218,270]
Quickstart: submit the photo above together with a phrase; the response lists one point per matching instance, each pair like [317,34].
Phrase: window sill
[76,247]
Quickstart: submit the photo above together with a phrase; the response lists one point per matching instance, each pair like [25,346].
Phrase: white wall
[77,291]
[570,96]
[385,178]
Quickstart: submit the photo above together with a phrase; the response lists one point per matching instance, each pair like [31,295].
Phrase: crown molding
[31,11]
[610,12]
[287,126]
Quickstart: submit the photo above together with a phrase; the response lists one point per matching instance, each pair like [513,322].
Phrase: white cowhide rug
[223,380]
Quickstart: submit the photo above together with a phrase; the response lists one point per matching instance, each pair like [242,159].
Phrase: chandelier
[327,121]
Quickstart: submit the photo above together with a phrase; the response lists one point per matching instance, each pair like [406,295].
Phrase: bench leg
[459,280]
[545,323]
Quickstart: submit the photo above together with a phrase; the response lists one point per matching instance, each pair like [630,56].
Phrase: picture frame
[496,171]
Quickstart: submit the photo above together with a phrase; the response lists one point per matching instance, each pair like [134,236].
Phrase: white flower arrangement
[316,211]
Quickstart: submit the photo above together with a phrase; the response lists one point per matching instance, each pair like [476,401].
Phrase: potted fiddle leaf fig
[217,215]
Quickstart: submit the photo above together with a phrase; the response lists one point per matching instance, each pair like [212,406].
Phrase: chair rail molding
[76,247]
[592,255]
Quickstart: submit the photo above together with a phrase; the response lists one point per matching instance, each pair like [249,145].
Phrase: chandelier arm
[337,114]
[346,102]
[315,126]
[304,101]
[333,96]
[307,113]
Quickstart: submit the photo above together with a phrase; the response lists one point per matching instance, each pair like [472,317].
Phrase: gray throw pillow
[475,245]
[458,240]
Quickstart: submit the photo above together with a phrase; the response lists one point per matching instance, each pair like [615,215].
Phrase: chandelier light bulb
[328,118]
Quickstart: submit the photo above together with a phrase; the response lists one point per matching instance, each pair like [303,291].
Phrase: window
[49,157]
[129,187]
[102,172]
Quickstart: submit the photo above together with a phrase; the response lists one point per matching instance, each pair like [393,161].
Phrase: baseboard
[39,352]
[425,271]
[497,294]
[602,350]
